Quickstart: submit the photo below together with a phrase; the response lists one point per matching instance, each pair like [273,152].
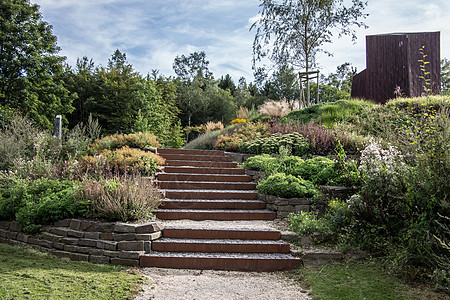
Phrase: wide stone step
[211,194]
[203,170]
[203,177]
[207,164]
[221,233]
[204,185]
[222,261]
[197,157]
[163,151]
[219,246]
[221,215]
[212,204]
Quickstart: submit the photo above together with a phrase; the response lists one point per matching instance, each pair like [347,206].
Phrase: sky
[153,32]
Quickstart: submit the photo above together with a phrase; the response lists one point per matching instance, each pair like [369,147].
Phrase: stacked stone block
[88,240]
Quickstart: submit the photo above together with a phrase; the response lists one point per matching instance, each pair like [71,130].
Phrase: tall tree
[343,77]
[191,71]
[292,32]
[285,84]
[30,68]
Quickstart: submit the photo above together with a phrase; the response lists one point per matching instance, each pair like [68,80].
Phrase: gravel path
[211,285]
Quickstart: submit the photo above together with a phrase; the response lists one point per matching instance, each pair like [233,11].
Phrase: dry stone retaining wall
[88,240]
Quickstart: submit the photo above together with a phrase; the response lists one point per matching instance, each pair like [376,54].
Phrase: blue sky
[152,33]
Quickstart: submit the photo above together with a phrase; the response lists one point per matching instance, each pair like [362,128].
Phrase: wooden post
[57,128]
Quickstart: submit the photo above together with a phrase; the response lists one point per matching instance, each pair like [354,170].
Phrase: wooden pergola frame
[306,77]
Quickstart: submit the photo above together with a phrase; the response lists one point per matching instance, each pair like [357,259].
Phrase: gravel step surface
[213,200]
[259,256]
[219,285]
[228,225]
[214,210]
[217,241]
[210,191]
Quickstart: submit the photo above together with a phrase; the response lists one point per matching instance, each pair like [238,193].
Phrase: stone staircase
[219,206]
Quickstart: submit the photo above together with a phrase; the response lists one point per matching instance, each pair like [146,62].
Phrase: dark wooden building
[392,60]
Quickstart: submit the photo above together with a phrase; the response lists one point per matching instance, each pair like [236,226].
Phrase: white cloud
[154,32]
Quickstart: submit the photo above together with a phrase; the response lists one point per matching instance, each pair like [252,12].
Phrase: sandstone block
[131,246]
[59,246]
[92,235]
[98,259]
[286,208]
[63,254]
[70,248]
[14,226]
[111,253]
[79,257]
[70,241]
[104,227]
[87,243]
[62,223]
[33,240]
[75,233]
[148,237]
[75,224]
[59,231]
[4,225]
[124,228]
[84,250]
[12,235]
[23,237]
[46,244]
[130,254]
[302,208]
[124,237]
[51,237]
[107,245]
[107,236]
[149,227]
[125,262]
[95,251]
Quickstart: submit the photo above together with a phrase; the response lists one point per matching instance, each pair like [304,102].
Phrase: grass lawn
[360,280]
[30,274]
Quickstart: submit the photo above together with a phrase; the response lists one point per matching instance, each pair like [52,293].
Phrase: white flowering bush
[376,161]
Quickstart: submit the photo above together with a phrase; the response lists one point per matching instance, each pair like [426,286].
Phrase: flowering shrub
[237,121]
[271,144]
[123,198]
[243,133]
[376,162]
[125,160]
[322,140]
[133,140]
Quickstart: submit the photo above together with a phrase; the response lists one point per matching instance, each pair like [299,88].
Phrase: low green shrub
[295,141]
[307,223]
[259,162]
[33,203]
[319,170]
[286,186]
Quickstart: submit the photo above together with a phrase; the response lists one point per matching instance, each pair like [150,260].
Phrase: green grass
[328,113]
[360,280]
[29,274]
